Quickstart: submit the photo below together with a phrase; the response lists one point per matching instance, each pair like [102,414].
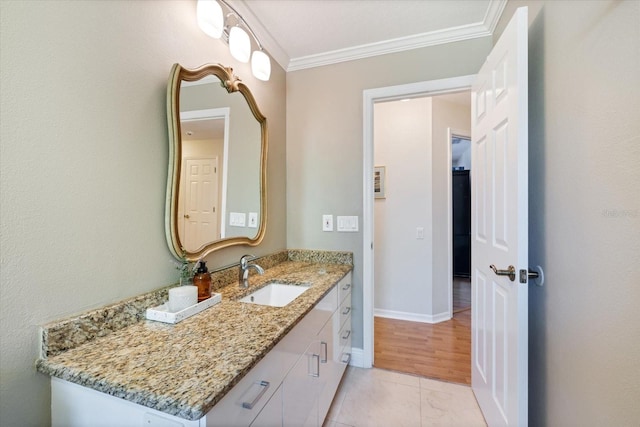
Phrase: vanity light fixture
[214,23]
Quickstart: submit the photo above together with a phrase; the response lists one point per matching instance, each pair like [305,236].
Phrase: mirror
[216,185]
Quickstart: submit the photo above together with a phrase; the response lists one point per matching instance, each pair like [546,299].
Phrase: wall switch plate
[420,233]
[253,219]
[327,222]
[237,219]
[348,223]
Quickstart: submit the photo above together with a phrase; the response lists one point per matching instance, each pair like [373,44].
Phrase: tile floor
[375,397]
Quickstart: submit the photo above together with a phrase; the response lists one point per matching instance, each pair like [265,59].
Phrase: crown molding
[448,35]
[389,46]
[494,12]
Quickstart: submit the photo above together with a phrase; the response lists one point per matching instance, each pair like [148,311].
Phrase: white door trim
[371,96]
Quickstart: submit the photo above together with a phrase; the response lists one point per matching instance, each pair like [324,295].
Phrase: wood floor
[441,350]
[461,294]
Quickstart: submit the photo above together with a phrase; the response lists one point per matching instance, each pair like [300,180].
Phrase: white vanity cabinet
[293,385]
[242,406]
[320,345]
[339,347]
[309,388]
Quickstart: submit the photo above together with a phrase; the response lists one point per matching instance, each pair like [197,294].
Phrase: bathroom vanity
[234,364]
[238,363]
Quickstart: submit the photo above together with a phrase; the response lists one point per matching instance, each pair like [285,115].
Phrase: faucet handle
[245,259]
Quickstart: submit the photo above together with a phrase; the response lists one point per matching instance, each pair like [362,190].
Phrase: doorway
[500,234]
[415,328]
[371,96]
[460,146]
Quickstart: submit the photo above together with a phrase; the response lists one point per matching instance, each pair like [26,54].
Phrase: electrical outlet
[327,222]
[253,219]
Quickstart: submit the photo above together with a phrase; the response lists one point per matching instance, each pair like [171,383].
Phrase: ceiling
[302,34]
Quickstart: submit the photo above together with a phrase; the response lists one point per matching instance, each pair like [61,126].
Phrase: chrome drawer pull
[346,310]
[265,386]
[347,335]
[324,359]
[346,287]
[346,358]
[317,372]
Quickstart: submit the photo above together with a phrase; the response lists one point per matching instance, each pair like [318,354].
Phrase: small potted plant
[185,269]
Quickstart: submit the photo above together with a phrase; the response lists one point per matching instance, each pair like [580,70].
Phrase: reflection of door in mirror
[200,220]
[201,204]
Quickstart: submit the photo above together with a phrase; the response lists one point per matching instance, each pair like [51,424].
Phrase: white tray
[161,313]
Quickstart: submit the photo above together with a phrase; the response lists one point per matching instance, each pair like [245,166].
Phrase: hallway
[441,351]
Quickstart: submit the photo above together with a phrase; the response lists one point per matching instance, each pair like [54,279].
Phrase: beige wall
[84,153]
[584,180]
[324,140]
[402,135]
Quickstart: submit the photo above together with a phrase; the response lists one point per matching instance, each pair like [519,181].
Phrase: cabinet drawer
[345,311]
[246,399]
[344,287]
[345,336]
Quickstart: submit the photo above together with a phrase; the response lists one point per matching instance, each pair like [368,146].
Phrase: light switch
[420,233]
[348,223]
[237,219]
[327,222]
[253,219]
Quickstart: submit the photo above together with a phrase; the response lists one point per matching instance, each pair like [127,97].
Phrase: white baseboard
[412,317]
[357,358]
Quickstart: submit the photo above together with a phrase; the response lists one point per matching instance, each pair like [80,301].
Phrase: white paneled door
[500,229]
[201,200]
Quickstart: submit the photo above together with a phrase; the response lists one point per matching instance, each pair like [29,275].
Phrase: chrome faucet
[245,266]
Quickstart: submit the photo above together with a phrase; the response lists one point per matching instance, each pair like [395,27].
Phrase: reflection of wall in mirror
[243,187]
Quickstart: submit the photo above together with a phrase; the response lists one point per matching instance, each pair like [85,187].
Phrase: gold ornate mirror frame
[232,84]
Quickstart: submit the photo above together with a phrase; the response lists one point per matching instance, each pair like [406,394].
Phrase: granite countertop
[186,368]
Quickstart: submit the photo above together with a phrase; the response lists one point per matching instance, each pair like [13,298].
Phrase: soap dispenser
[202,280]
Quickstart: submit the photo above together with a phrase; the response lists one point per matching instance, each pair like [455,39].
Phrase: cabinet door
[301,389]
[331,368]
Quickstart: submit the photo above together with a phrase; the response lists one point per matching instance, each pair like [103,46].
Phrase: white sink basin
[275,294]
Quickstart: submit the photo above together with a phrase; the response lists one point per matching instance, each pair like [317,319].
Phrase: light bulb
[260,65]
[210,18]
[239,44]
